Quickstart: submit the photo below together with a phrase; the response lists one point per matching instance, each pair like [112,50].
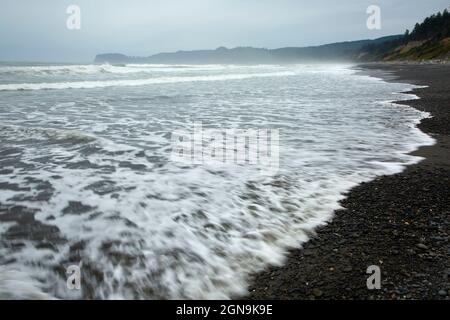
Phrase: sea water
[86,176]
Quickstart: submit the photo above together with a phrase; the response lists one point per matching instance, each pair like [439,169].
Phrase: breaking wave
[90,175]
[135,82]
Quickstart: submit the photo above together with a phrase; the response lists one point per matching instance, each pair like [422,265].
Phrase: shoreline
[398,222]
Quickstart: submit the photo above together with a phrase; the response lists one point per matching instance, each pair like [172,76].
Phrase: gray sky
[35,30]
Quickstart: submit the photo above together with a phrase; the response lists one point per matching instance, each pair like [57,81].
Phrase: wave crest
[135,82]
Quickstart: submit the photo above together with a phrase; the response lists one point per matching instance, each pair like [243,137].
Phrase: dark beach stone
[442,293]
[422,246]
[317,293]
[347,269]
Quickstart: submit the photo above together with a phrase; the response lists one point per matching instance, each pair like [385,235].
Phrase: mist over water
[86,175]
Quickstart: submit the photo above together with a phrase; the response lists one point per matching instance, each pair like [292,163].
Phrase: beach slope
[399,223]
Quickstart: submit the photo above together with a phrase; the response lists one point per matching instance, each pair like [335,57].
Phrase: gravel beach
[399,223]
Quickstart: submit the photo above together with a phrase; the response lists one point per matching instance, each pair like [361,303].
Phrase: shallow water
[86,174]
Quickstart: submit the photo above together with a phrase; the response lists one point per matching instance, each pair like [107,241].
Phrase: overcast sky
[35,30]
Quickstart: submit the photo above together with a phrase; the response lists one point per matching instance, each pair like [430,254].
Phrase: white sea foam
[43,134]
[135,82]
[145,227]
[17,285]
[61,69]
[93,69]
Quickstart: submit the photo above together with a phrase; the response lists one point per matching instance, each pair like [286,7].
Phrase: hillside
[342,51]
[430,40]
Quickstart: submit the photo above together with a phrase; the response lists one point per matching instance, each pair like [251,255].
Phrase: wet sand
[400,223]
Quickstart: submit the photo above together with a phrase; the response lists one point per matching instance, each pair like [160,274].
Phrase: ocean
[88,178]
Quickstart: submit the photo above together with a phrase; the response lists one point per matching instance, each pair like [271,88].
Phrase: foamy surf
[145,227]
[68,70]
[134,82]
[17,285]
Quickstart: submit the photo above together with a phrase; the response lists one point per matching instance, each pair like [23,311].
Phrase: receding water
[86,175]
